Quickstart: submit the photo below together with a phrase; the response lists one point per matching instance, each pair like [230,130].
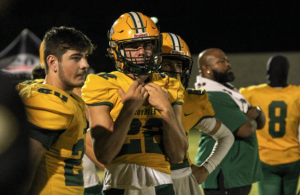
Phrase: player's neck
[277,83]
[58,84]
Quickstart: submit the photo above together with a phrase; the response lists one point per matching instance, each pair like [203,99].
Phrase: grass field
[194,138]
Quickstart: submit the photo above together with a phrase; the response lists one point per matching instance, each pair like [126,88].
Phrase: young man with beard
[136,129]
[197,113]
[56,115]
[241,166]
[278,141]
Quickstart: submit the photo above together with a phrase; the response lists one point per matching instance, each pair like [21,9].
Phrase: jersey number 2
[71,178]
[135,146]
[277,121]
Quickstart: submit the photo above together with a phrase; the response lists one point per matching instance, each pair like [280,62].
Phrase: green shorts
[94,190]
[279,179]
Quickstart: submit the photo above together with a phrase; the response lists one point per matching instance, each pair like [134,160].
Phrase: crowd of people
[134,122]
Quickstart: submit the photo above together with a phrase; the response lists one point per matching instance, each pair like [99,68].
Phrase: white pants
[134,179]
[184,182]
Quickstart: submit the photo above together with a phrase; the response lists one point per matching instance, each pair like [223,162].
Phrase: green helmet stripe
[133,21]
[172,39]
[137,21]
[176,41]
[179,43]
[142,23]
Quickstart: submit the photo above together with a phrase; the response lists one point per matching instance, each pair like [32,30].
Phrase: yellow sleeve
[24,84]
[202,103]
[101,89]
[46,111]
[195,108]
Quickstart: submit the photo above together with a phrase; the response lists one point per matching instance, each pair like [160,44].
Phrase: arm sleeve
[224,140]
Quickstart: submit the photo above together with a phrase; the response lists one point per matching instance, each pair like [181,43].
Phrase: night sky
[233,26]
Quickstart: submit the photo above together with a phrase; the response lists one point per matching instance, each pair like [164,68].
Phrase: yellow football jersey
[278,140]
[143,142]
[24,84]
[196,107]
[53,113]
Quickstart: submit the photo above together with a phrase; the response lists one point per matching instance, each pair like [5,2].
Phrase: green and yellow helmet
[174,47]
[42,55]
[134,27]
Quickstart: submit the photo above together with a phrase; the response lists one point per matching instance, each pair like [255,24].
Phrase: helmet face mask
[135,44]
[175,48]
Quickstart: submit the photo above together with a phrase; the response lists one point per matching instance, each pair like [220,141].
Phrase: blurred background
[248,32]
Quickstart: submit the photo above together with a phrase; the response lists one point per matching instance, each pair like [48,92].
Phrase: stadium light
[154,19]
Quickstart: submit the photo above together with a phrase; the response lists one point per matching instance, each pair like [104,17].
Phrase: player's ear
[52,61]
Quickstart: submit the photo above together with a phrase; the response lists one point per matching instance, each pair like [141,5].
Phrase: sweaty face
[139,51]
[73,68]
[171,65]
[221,68]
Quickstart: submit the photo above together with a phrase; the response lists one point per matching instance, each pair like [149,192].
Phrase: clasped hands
[138,93]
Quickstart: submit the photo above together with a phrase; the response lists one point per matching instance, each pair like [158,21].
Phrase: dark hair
[38,72]
[60,39]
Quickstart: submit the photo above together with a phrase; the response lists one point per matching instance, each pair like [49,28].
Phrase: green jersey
[241,166]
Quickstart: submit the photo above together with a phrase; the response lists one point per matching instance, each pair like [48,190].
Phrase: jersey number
[107,76]
[276,121]
[71,178]
[135,145]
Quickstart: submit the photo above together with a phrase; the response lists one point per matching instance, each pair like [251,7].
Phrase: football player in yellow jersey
[197,113]
[278,141]
[137,130]
[56,115]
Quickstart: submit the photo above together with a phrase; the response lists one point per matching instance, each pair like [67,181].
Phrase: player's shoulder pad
[196,96]
[107,79]
[252,88]
[247,92]
[24,84]
[101,87]
[295,88]
[47,98]
[193,91]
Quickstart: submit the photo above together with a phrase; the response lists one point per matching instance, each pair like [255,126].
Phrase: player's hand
[158,98]
[252,113]
[166,93]
[200,173]
[136,95]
